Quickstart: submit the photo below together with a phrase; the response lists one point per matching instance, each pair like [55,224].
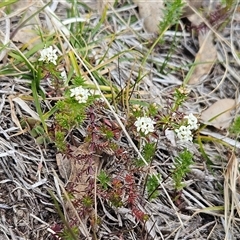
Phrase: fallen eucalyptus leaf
[204,59]
[219,114]
[151,12]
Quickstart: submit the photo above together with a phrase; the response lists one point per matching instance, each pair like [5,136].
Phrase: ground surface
[206,208]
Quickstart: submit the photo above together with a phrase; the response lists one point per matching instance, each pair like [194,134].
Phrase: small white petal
[192,121]
[184,134]
[48,55]
[80,94]
[144,124]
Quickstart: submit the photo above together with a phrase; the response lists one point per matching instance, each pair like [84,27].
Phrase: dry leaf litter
[30,171]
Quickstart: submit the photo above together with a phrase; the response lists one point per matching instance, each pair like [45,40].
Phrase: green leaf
[35,86]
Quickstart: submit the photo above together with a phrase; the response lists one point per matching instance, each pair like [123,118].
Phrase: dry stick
[47,225]
[95,193]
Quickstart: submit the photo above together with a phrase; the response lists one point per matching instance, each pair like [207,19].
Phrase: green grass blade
[35,86]
[6,3]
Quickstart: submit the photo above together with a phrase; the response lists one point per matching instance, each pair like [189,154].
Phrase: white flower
[184,134]
[144,124]
[48,55]
[80,94]
[192,121]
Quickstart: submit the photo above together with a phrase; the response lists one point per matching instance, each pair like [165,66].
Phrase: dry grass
[208,207]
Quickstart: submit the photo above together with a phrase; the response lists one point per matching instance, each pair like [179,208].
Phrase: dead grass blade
[26,108]
[231,197]
[13,114]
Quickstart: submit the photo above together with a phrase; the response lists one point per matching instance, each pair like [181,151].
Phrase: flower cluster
[80,94]
[144,124]
[49,55]
[184,133]
[192,121]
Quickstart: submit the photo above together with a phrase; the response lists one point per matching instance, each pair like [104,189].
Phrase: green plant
[181,168]
[180,95]
[36,130]
[66,235]
[59,139]
[74,103]
[152,186]
[6,3]
[104,179]
[235,128]
[148,153]
[171,15]
[87,201]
